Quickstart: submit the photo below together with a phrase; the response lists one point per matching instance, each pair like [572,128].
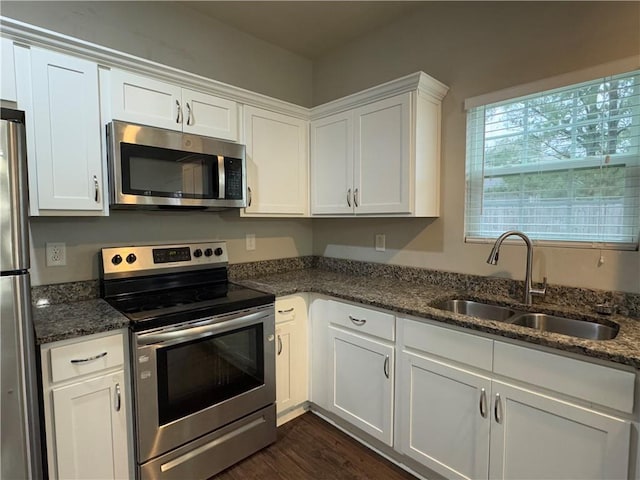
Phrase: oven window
[161,172]
[197,374]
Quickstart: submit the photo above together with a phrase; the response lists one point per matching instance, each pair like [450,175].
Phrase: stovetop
[162,285]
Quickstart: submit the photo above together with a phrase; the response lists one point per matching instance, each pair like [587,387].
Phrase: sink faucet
[529,291]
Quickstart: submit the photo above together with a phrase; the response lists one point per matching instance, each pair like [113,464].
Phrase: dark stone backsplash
[627,304]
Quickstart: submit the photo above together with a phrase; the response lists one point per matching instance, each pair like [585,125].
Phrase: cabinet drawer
[447,343]
[290,308]
[364,320]
[588,381]
[85,357]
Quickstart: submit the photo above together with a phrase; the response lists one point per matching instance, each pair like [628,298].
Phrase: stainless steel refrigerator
[19,419]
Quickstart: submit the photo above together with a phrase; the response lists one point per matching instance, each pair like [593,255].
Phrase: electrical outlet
[250,241]
[380,242]
[56,254]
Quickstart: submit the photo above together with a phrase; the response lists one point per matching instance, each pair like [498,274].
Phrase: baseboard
[292,413]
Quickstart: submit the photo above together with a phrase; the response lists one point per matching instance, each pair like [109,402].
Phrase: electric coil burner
[203,363]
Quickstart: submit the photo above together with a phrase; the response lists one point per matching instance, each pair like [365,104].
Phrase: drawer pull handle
[118,398]
[288,310]
[349,197]
[386,366]
[355,197]
[279,345]
[89,359]
[483,403]
[357,321]
[497,409]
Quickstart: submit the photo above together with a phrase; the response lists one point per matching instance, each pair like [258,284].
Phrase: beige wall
[175,36]
[477,48]
[85,237]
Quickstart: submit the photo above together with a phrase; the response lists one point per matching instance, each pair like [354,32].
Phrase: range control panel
[138,260]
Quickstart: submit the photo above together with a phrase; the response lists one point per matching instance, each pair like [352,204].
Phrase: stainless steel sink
[566,326]
[476,309]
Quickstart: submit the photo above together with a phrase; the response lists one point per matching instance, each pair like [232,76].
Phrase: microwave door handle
[221,177]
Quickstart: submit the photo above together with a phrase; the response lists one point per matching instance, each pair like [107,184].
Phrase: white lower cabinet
[361,385]
[464,423]
[537,436]
[444,417]
[291,357]
[86,408]
[90,428]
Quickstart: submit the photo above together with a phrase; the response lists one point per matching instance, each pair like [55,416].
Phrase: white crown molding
[420,81]
[31,35]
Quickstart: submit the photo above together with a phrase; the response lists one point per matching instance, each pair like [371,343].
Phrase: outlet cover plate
[56,254]
[250,241]
[381,242]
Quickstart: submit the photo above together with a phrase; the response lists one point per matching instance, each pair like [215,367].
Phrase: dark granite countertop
[75,319]
[415,299]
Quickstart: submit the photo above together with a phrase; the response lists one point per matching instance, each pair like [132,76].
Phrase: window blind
[561,165]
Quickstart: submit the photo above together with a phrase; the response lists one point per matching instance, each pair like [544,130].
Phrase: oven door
[193,379]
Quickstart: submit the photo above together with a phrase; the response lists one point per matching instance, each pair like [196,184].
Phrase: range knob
[208,252]
[218,251]
[197,253]
[131,258]
[116,259]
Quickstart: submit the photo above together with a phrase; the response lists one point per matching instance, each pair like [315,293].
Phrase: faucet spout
[529,291]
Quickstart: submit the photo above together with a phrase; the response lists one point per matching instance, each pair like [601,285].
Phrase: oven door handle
[206,328]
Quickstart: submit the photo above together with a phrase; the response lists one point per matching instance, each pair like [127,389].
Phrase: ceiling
[308,28]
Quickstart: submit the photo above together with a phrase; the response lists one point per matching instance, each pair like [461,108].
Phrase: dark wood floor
[310,448]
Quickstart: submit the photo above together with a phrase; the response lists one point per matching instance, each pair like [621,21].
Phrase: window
[562,165]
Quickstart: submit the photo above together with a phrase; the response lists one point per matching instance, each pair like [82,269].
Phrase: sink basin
[566,326]
[476,309]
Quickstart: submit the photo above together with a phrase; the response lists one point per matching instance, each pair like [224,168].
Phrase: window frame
[474,183]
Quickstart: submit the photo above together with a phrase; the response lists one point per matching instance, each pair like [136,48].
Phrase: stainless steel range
[203,363]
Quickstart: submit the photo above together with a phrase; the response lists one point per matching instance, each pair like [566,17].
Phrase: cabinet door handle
[386,366]
[189,120]
[179,117]
[497,409]
[349,197]
[355,197]
[249,195]
[279,345]
[288,310]
[117,403]
[89,359]
[96,188]
[357,321]
[483,403]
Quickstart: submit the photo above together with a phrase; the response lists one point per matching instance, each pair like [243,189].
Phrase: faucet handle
[540,291]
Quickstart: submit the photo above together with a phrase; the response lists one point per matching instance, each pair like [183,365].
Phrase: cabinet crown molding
[419,81]
[32,35]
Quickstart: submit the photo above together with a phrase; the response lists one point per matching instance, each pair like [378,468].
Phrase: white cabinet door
[361,383]
[90,429]
[146,101]
[7,72]
[67,133]
[277,158]
[383,157]
[444,417]
[285,385]
[535,436]
[319,315]
[209,115]
[332,164]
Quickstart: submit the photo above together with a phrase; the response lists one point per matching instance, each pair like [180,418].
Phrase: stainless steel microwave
[157,168]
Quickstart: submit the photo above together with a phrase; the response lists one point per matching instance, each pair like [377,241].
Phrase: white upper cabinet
[7,72]
[377,152]
[59,94]
[277,159]
[139,99]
